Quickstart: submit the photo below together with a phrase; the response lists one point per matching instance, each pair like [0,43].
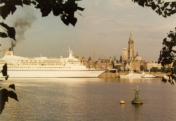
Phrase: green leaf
[3,35]
[159,12]
[4,11]
[12,86]
[27,2]
[10,30]
[17,2]
[34,3]
[153,6]
[79,8]
[4,95]
[57,9]
[166,4]
[73,21]
[141,3]
[65,20]
[12,95]
[173,4]
[3,99]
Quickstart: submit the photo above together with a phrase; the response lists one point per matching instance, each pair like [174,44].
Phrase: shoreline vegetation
[109,74]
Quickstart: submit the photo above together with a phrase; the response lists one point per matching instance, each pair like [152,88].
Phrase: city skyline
[104,26]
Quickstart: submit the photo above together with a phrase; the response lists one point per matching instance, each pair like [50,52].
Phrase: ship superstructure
[47,67]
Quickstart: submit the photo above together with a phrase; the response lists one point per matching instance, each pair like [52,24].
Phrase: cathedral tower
[130,47]
[124,55]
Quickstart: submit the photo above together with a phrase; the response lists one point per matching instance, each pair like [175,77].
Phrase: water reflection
[83,80]
[87,99]
[137,108]
[122,104]
[142,80]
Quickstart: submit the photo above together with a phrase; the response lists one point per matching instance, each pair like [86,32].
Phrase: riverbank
[117,75]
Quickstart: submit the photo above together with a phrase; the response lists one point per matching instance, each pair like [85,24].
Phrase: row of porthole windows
[31,60]
[51,61]
[43,67]
[40,61]
[37,61]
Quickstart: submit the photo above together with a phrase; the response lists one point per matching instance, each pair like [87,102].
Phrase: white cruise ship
[43,67]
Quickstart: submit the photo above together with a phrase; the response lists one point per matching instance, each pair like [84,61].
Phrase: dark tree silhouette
[168,53]
[5,93]
[62,8]
[167,56]
[10,31]
[162,8]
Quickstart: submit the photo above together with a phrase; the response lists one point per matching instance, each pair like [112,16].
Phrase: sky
[103,28]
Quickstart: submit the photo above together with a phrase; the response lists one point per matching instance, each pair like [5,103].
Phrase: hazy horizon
[104,26]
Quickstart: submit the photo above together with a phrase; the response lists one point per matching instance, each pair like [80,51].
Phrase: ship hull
[54,73]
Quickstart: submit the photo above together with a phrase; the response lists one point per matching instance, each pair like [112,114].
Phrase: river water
[90,99]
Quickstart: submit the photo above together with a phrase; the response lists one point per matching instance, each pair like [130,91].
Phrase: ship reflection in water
[86,99]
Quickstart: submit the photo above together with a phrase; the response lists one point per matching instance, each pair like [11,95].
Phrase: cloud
[97,2]
[95,19]
[129,16]
[150,27]
[37,28]
[122,3]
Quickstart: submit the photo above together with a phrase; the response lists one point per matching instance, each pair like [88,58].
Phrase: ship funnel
[9,53]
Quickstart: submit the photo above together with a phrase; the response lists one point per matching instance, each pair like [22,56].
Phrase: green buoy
[137,100]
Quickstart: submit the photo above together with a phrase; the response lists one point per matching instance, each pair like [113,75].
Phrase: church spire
[130,47]
[137,54]
[131,37]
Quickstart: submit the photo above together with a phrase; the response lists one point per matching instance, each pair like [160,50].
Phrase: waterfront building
[137,57]
[128,60]
[124,55]
[149,65]
[100,64]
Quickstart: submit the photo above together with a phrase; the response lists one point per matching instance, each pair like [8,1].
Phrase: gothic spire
[131,37]
[137,54]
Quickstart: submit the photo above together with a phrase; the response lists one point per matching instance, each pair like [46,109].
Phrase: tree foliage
[168,69]
[5,94]
[164,69]
[162,8]
[146,70]
[167,56]
[62,8]
[9,31]
[152,70]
